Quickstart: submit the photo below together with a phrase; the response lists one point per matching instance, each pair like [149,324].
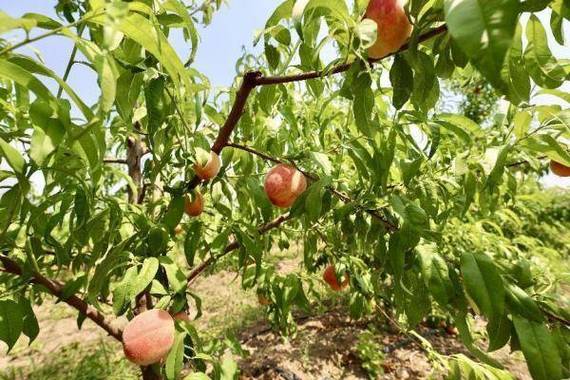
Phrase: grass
[77,361]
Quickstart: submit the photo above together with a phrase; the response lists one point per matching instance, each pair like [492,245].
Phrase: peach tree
[117,207]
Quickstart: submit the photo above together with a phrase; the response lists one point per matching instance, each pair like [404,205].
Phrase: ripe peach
[559,169]
[283,184]
[394,28]
[330,278]
[195,206]
[182,316]
[148,337]
[208,167]
[263,300]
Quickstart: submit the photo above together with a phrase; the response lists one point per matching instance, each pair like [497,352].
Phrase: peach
[330,278]
[194,206]
[559,169]
[284,184]
[263,300]
[148,337]
[207,167]
[182,316]
[394,28]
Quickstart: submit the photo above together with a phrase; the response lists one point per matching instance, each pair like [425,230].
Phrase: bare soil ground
[323,349]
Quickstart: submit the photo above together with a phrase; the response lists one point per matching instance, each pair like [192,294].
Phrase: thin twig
[70,62]
[235,245]
[50,33]
[343,197]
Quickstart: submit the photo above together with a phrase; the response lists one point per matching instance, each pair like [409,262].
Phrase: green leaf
[539,349]
[483,283]
[499,332]
[141,30]
[498,169]
[546,144]
[521,123]
[12,156]
[146,275]
[192,242]
[174,213]
[426,85]
[116,258]
[11,322]
[37,68]
[435,274]
[176,278]
[123,294]
[314,200]
[25,79]
[542,66]
[402,80]
[521,303]
[514,72]
[363,103]
[8,23]
[484,31]
[175,358]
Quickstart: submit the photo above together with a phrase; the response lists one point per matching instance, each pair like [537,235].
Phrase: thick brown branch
[56,289]
[264,81]
[235,245]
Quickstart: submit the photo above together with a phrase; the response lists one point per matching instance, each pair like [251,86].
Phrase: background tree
[419,209]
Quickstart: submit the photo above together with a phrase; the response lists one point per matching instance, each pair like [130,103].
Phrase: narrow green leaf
[12,156]
[483,283]
[11,322]
[402,80]
[484,31]
[539,349]
[541,64]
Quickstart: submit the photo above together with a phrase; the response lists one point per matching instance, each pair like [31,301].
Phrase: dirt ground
[323,349]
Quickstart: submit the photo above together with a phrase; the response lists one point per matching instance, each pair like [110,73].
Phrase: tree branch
[115,161]
[254,79]
[343,197]
[56,289]
[235,245]
[265,81]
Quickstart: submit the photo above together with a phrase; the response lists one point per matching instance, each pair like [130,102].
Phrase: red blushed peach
[182,316]
[559,169]
[330,278]
[394,28]
[210,168]
[148,337]
[284,184]
[195,206]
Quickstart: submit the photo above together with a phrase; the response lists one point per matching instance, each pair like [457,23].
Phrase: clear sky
[233,27]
